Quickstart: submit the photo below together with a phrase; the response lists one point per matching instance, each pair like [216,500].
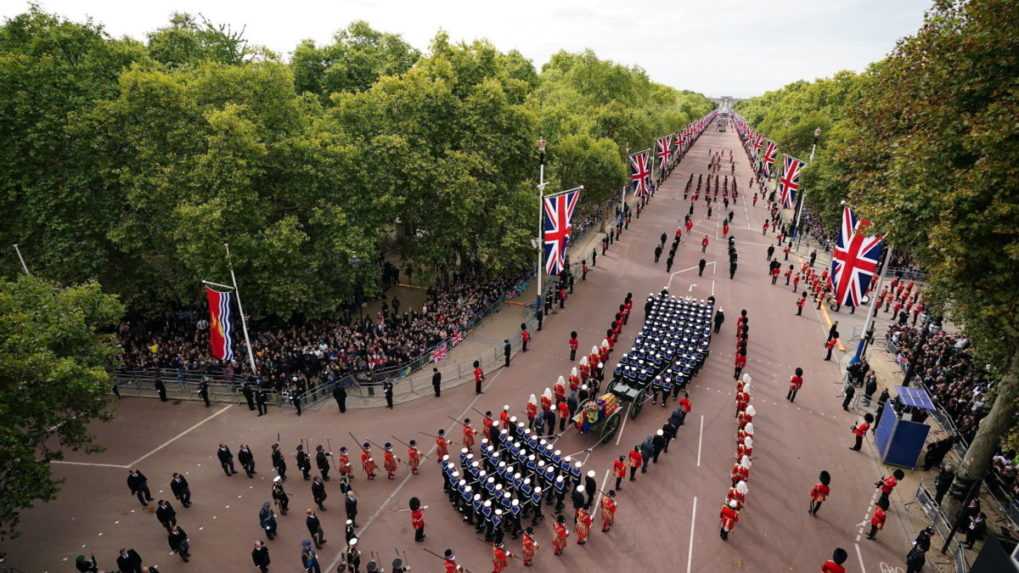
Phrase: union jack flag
[758,142]
[855,259]
[664,151]
[789,183]
[639,172]
[769,154]
[440,352]
[457,337]
[558,212]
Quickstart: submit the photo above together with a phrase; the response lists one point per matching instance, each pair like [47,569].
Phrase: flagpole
[541,220]
[803,193]
[862,347]
[24,267]
[244,322]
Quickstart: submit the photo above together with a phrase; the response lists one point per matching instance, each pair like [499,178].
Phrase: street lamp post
[803,193]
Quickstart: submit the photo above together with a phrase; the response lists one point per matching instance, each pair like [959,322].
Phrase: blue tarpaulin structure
[916,397]
[899,441]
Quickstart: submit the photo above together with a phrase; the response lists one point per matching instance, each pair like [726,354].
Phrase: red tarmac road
[667,520]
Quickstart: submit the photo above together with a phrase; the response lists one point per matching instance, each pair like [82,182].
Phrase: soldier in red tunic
[500,558]
[479,377]
[584,522]
[504,416]
[795,383]
[729,517]
[417,519]
[529,547]
[573,343]
[608,509]
[441,445]
[468,434]
[819,493]
[367,462]
[834,565]
[413,457]
[525,336]
[532,411]
[449,563]
[389,461]
[561,533]
[346,471]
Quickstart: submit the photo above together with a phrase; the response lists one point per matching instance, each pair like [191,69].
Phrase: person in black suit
[139,486]
[247,460]
[179,543]
[181,490]
[260,556]
[128,561]
[340,395]
[226,460]
[437,382]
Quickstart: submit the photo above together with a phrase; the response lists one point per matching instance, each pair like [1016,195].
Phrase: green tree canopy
[56,346]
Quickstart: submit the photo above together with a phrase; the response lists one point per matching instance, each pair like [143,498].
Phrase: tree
[188,41]
[56,346]
[357,58]
[936,133]
[50,71]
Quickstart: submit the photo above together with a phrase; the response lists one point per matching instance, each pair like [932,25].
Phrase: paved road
[668,520]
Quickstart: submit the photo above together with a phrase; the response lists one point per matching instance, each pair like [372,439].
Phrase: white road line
[89,464]
[712,287]
[700,441]
[860,557]
[693,521]
[623,427]
[605,479]
[388,500]
[181,435]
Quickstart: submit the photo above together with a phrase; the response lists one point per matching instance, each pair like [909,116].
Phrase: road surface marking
[90,464]
[396,491]
[181,435]
[605,479]
[623,427]
[700,441]
[860,557]
[693,520]
[712,287]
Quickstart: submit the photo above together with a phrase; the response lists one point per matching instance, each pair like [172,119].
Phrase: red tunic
[635,459]
[532,411]
[413,459]
[685,404]
[500,560]
[417,519]
[819,492]
[795,382]
[345,469]
[468,436]
[619,469]
[729,518]
[583,526]
[504,417]
[441,447]
[559,543]
[832,567]
[389,462]
[529,547]
[608,512]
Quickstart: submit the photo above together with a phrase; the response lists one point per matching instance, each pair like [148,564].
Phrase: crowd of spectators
[958,385]
[303,354]
[813,228]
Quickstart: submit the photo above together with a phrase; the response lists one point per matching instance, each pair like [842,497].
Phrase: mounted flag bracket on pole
[557,214]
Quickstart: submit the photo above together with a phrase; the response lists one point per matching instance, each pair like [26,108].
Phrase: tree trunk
[977,462]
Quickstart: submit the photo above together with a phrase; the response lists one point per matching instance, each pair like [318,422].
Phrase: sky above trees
[723,47]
